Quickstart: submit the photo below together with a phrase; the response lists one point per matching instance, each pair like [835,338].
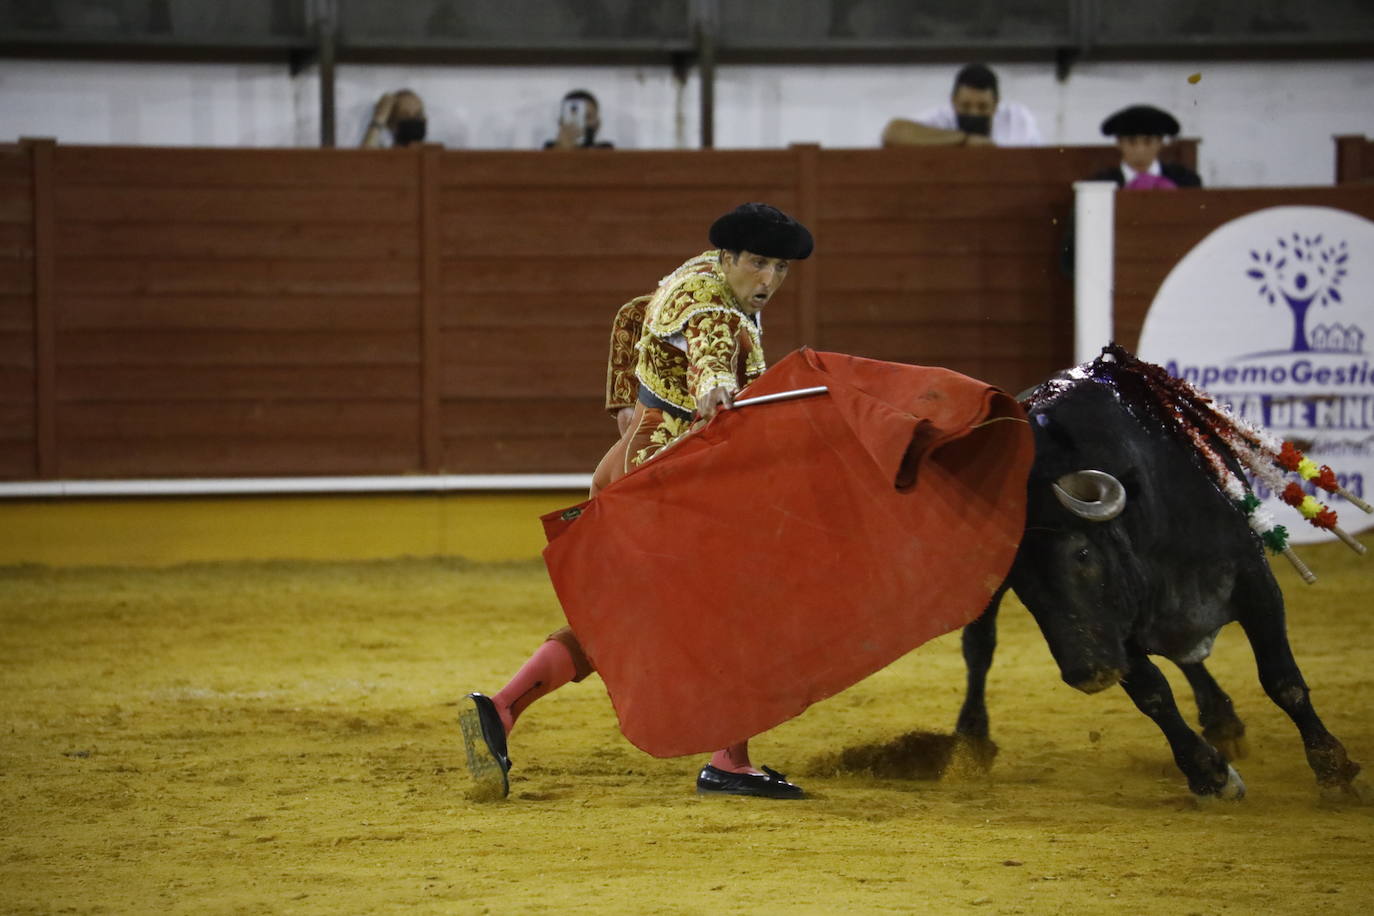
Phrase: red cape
[789,550]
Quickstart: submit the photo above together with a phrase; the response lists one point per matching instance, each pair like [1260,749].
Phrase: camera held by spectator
[579,118]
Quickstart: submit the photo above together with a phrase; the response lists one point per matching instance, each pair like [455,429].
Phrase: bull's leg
[1207,771]
[1221,727]
[1278,672]
[979,642]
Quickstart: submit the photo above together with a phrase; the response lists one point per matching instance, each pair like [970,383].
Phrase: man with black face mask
[402,115]
[974,116]
[579,118]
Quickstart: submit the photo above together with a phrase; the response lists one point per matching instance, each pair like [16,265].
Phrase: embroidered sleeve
[712,351]
[622,387]
[665,434]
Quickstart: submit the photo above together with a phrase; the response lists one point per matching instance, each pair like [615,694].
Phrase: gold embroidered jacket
[622,387]
[692,336]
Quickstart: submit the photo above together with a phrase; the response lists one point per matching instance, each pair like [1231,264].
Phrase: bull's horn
[1094,495]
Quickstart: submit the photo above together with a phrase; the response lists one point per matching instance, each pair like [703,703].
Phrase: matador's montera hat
[1141,121]
[763,230]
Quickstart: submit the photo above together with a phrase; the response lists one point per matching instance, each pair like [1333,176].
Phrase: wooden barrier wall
[220,313]
[1354,160]
[1155,231]
[196,312]
[18,338]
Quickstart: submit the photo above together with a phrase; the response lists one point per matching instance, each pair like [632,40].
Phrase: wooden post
[705,16]
[326,30]
[706,44]
[431,278]
[1349,150]
[46,459]
[1094,267]
[808,211]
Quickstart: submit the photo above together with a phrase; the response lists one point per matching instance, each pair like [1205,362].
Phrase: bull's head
[1073,580]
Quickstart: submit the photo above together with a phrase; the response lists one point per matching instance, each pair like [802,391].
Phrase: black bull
[1145,557]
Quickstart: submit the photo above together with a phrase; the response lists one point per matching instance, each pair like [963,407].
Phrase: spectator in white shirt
[974,116]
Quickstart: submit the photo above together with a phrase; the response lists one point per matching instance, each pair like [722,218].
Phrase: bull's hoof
[1355,792]
[1234,790]
[1332,766]
[974,754]
[1231,790]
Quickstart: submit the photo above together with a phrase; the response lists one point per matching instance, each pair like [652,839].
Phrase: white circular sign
[1271,315]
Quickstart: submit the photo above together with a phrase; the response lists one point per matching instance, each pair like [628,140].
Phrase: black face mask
[408,131]
[975,124]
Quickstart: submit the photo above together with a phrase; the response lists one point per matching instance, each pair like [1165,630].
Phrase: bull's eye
[1081,555]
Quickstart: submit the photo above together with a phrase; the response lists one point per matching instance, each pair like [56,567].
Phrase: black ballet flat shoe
[769,784]
[484,738]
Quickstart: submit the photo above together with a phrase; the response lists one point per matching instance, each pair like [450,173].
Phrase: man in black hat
[1140,131]
[678,355]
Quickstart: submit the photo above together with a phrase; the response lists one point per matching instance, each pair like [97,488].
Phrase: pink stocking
[734,759]
[550,667]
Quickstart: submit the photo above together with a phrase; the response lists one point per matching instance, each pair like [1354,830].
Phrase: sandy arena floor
[280,738]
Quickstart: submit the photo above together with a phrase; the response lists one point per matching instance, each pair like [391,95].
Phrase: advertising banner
[1271,315]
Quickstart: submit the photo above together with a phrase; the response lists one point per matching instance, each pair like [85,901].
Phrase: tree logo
[1302,271]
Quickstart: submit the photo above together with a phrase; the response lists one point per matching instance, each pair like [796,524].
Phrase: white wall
[1262,123]
[153,104]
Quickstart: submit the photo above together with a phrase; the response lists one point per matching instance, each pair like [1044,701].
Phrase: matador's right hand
[718,398]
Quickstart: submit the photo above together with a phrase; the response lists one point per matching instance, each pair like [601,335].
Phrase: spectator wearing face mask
[974,116]
[399,115]
[579,118]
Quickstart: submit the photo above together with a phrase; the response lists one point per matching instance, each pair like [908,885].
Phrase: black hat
[763,230]
[1140,121]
